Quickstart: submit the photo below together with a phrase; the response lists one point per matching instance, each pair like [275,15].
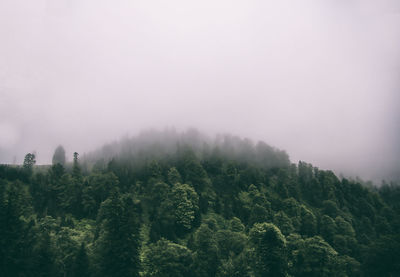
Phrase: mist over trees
[183,204]
[59,156]
[165,144]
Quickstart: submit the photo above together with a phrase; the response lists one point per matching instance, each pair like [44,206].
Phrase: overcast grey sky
[319,79]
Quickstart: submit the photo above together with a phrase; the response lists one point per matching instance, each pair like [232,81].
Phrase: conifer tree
[81,263]
[270,257]
[118,245]
[59,156]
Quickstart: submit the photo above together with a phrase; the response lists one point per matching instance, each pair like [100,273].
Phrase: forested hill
[170,204]
[160,145]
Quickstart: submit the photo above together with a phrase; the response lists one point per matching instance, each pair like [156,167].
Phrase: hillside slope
[181,204]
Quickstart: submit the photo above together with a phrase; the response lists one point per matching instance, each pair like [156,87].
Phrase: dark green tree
[308,222]
[270,257]
[118,244]
[43,263]
[383,257]
[315,257]
[76,169]
[12,230]
[29,162]
[81,263]
[174,176]
[165,258]
[185,205]
[206,259]
[283,222]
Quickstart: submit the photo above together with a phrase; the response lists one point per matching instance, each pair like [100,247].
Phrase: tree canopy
[190,207]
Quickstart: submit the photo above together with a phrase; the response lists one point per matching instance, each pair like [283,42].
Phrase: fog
[319,79]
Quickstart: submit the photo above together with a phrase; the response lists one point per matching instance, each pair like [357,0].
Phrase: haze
[319,79]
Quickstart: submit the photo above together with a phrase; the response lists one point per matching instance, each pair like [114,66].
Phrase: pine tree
[76,169]
[118,245]
[81,263]
[270,258]
[59,156]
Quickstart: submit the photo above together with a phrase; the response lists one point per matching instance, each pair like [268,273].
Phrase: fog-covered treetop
[156,144]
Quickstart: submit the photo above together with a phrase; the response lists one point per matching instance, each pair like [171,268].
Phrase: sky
[319,79]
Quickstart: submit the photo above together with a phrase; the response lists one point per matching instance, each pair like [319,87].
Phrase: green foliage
[174,176]
[236,225]
[270,257]
[118,242]
[315,257]
[230,243]
[328,228]
[206,259]
[308,222]
[12,229]
[185,205]
[226,208]
[80,267]
[29,162]
[165,258]
[383,257]
[284,223]
[76,169]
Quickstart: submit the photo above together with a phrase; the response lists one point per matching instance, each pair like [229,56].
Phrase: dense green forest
[180,204]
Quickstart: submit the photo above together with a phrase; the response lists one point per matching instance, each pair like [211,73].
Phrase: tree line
[196,209]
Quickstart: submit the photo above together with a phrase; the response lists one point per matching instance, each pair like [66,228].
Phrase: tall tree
[81,263]
[11,230]
[76,169]
[315,257]
[166,258]
[206,256]
[270,257]
[29,162]
[174,176]
[118,245]
[59,156]
[185,205]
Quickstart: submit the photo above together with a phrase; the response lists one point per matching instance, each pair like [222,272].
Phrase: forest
[182,204]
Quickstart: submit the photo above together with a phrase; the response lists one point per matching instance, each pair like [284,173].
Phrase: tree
[185,203]
[316,258]
[29,162]
[230,243]
[283,222]
[76,169]
[166,258]
[330,208]
[96,189]
[59,156]
[118,244]
[236,225]
[197,224]
[195,174]
[71,196]
[238,266]
[43,264]
[344,227]
[308,222]
[328,228]
[12,229]
[65,248]
[174,176]
[383,257]
[81,263]
[206,252]
[270,257]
